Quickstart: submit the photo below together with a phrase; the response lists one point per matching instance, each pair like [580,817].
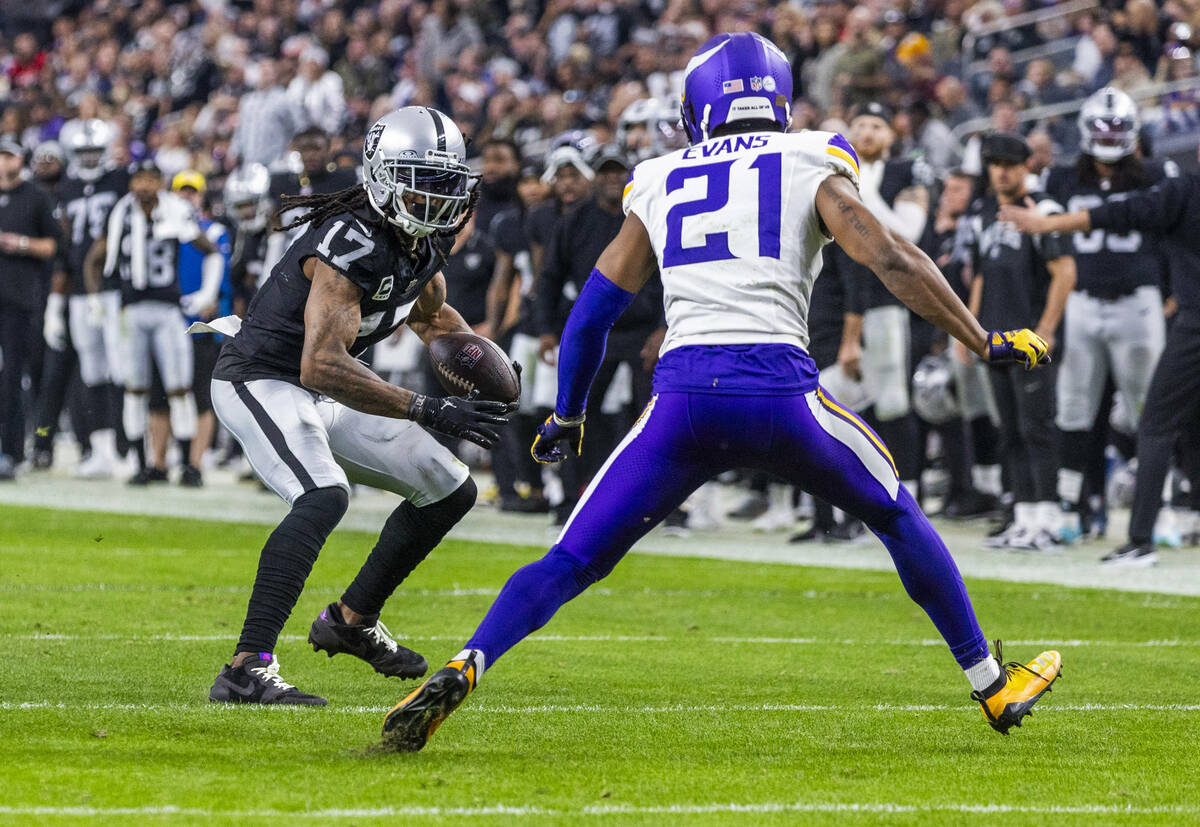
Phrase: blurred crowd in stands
[559,100]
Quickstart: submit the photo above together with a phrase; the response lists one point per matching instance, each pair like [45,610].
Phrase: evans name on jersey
[734,226]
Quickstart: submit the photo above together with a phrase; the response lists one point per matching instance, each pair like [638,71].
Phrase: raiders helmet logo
[469,356]
[371,142]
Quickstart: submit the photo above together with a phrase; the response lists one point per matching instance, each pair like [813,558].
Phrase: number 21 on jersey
[715,181]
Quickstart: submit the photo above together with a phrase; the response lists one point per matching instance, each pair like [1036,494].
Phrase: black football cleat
[1131,555]
[369,641]
[257,681]
[190,477]
[412,722]
[148,475]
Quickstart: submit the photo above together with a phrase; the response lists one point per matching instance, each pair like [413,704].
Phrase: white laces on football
[380,634]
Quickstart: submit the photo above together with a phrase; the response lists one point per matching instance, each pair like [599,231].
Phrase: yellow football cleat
[1006,705]
[411,723]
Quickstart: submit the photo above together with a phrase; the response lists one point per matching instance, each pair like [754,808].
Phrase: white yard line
[602,810]
[752,641]
[543,709]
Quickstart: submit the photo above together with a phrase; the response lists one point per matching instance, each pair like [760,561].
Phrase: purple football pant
[684,439]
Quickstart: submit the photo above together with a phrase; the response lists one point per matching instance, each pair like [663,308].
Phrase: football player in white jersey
[736,224]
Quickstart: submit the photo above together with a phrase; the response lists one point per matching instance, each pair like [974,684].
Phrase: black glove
[462,417]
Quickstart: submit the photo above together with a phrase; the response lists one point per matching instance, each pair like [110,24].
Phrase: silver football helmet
[1108,125]
[934,397]
[86,143]
[247,197]
[649,128]
[415,172]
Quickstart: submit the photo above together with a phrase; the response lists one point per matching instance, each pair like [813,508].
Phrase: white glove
[194,304]
[97,314]
[54,322]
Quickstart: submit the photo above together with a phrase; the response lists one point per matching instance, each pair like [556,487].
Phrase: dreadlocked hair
[318,208]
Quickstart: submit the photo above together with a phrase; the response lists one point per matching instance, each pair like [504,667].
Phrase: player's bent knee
[453,507]
[322,507]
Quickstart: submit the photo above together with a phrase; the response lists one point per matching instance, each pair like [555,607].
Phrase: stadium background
[174,76]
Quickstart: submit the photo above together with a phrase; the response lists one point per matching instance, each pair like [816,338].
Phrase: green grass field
[676,691]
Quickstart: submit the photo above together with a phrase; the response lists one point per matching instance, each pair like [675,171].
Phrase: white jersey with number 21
[734,224]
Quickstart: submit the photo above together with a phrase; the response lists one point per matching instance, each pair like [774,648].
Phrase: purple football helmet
[735,77]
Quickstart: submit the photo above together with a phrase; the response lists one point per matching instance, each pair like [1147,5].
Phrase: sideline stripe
[274,436]
[615,809]
[536,709]
[851,419]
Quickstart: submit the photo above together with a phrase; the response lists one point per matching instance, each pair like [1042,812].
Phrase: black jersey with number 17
[357,245]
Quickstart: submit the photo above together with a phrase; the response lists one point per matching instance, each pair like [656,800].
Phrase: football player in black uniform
[311,417]
[1114,322]
[87,195]
[975,485]
[876,336]
[1171,210]
[248,211]
[59,362]
[141,247]
[1018,277]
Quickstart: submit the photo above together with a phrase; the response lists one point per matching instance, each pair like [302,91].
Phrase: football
[465,362]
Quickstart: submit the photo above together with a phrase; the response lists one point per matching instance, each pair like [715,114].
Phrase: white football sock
[182,411]
[1049,517]
[1025,515]
[473,656]
[134,415]
[1070,485]
[987,480]
[983,674]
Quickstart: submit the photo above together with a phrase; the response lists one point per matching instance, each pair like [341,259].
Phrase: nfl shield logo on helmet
[756,84]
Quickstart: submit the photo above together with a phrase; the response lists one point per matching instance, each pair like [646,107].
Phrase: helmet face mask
[86,145]
[425,196]
[1108,126]
[414,173]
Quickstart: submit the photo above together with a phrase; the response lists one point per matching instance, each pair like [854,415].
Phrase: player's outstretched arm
[431,316]
[621,271]
[1031,221]
[906,271]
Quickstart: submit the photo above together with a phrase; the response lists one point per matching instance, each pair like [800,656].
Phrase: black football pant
[16,340]
[1029,439]
[61,386]
[1172,406]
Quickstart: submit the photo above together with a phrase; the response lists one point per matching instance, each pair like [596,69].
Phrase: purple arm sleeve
[598,307]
